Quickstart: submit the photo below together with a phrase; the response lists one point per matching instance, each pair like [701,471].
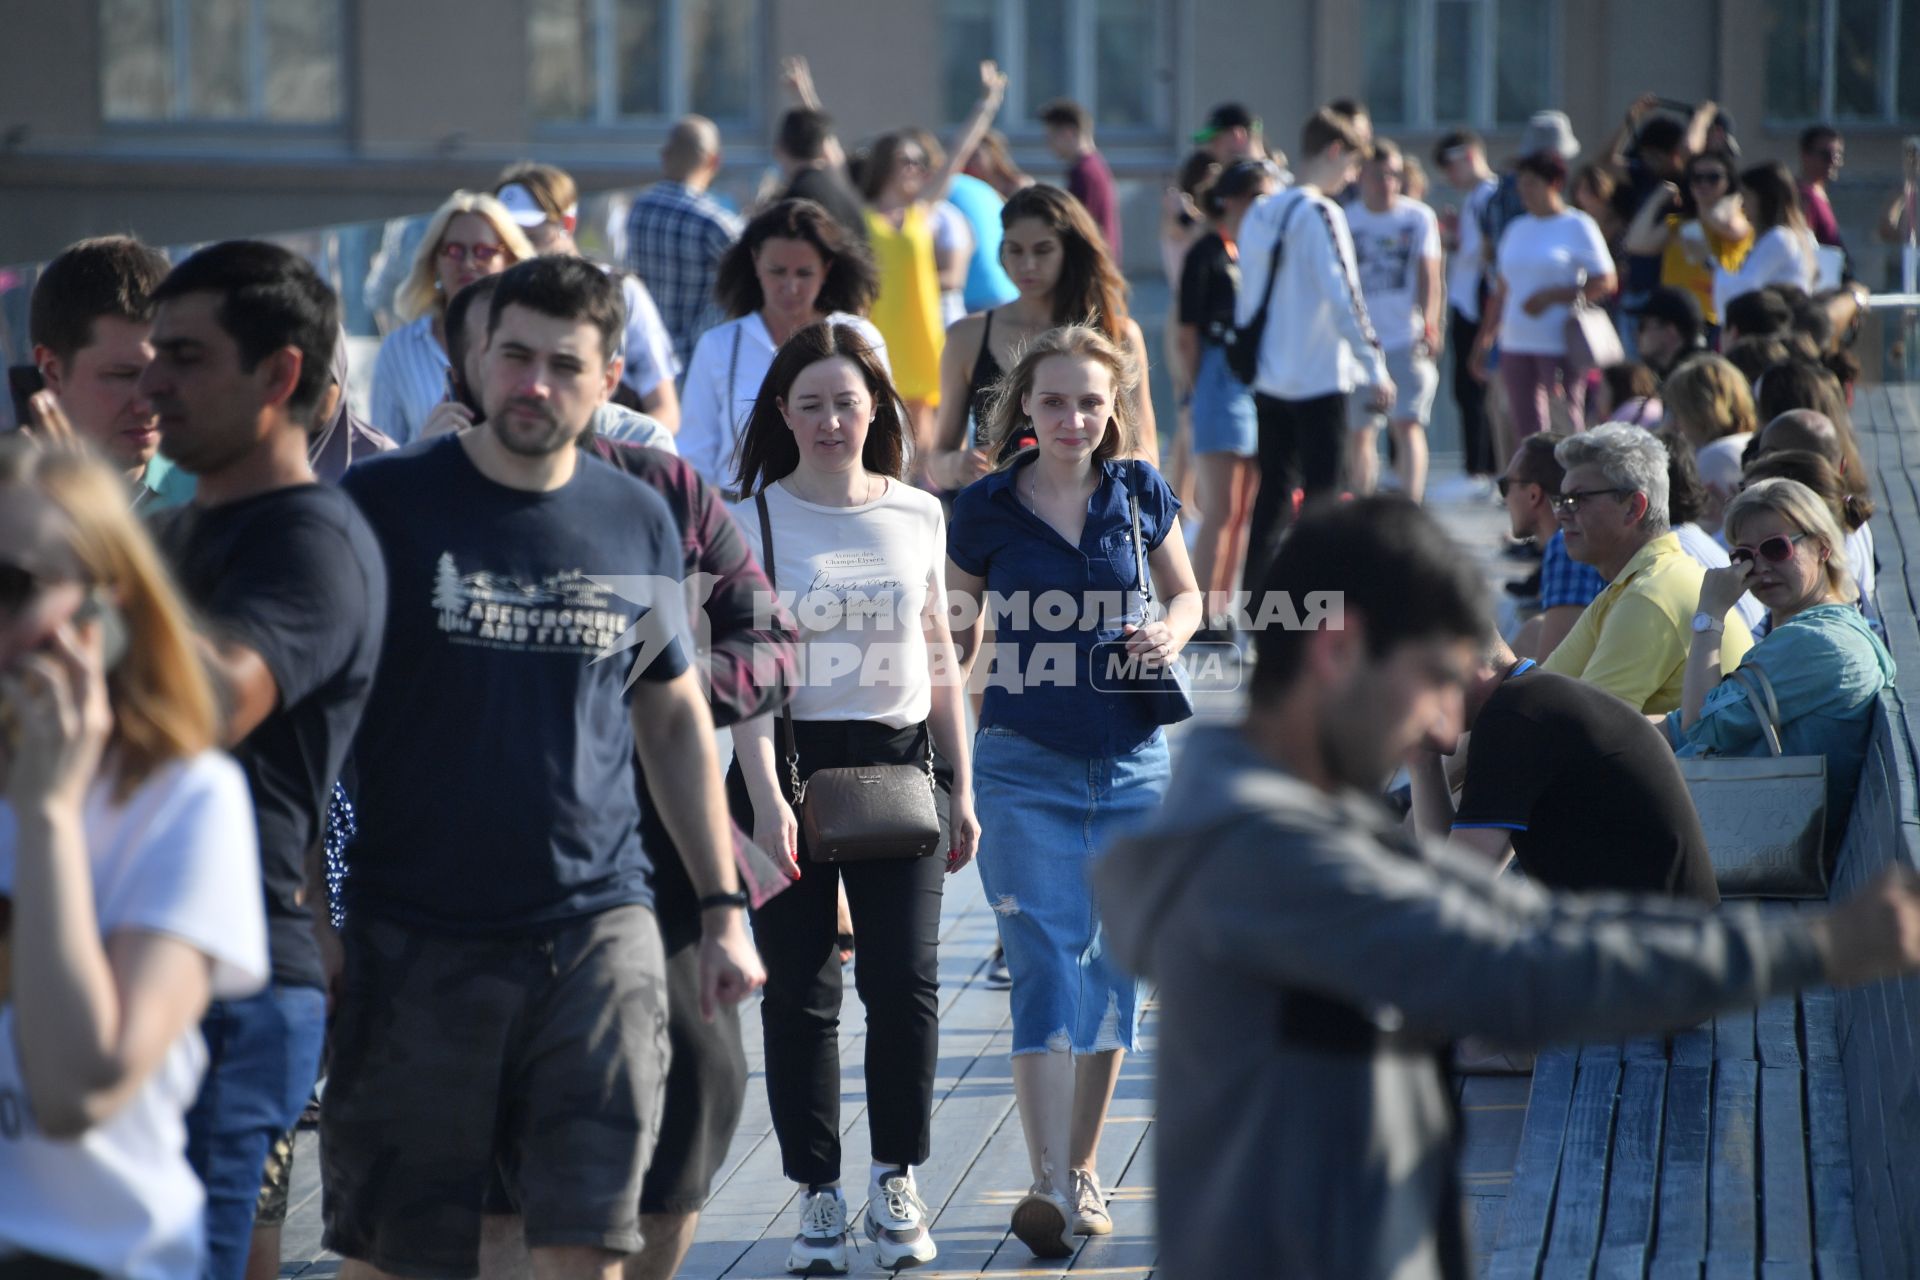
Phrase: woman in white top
[129,882]
[793,266]
[862,554]
[1546,259]
[1783,247]
[470,236]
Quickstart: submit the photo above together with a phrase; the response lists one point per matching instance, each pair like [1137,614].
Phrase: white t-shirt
[1545,253]
[1390,250]
[178,858]
[1469,266]
[1781,256]
[858,579]
[720,390]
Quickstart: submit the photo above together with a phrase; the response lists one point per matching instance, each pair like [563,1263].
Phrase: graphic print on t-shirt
[1385,260]
[850,588]
[566,612]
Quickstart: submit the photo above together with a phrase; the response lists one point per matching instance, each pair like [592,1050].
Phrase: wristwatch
[738,898]
[1705,622]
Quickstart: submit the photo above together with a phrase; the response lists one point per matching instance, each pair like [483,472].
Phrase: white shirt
[1318,340]
[1781,256]
[409,379]
[857,579]
[1469,265]
[723,379]
[649,350]
[1391,251]
[177,858]
[1545,253]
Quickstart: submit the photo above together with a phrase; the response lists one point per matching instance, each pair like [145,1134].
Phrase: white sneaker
[1043,1222]
[896,1222]
[821,1247]
[1090,1216]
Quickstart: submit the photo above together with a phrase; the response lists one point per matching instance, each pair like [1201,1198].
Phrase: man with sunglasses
[1822,154]
[1633,639]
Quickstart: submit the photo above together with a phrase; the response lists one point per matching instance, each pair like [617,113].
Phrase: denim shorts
[1224,420]
[1045,816]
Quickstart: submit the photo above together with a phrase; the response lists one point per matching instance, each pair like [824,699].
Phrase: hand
[961,468]
[776,830]
[1435,337]
[1477,364]
[1646,102]
[47,424]
[730,968]
[1154,642]
[1382,397]
[966,830]
[1671,191]
[1875,933]
[449,417]
[993,82]
[1545,298]
[1176,204]
[1721,589]
[61,718]
[797,77]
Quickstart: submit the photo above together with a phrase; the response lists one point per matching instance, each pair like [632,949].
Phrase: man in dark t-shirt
[291,589]
[805,150]
[1578,783]
[1089,180]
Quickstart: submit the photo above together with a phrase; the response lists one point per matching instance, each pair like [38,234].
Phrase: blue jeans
[1045,816]
[263,1054]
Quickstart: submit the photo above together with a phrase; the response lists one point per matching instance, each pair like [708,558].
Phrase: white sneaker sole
[809,1260]
[894,1255]
[1039,1224]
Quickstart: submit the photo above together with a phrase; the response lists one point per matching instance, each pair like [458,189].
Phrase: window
[1111,56]
[1432,63]
[248,61]
[1843,60]
[612,61]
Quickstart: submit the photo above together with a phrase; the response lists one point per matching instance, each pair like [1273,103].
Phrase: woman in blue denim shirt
[1826,666]
[1061,766]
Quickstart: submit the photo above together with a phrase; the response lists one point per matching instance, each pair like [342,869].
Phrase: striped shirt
[409,378]
[675,237]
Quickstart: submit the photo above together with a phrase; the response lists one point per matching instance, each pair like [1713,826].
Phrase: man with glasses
[1823,152]
[1633,639]
[1565,586]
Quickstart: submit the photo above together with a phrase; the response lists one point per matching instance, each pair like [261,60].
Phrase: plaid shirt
[1564,580]
[675,237]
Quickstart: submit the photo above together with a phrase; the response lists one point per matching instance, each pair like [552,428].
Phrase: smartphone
[98,607]
[23,383]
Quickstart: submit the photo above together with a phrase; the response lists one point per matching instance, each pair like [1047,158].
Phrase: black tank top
[986,372]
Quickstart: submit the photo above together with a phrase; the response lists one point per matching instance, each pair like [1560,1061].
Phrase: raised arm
[993,91]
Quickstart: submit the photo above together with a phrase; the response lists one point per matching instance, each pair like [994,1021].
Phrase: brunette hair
[768,451]
[1814,471]
[1687,496]
[163,704]
[1807,384]
[1090,290]
[1776,195]
[883,157]
[1006,418]
[551,187]
[851,283]
[109,276]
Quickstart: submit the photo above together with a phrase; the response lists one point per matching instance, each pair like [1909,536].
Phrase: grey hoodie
[1313,962]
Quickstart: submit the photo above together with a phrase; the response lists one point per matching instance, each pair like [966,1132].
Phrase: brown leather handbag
[859,813]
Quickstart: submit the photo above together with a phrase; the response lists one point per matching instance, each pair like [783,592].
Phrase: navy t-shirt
[294,575]
[495,761]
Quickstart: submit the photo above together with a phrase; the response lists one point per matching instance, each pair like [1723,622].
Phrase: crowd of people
[313,759]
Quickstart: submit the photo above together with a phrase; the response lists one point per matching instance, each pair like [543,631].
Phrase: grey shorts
[536,1060]
[1415,381]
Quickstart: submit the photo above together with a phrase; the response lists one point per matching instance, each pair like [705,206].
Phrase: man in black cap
[1231,133]
[1671,329]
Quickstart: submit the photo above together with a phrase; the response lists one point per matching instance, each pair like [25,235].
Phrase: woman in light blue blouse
[1826,666]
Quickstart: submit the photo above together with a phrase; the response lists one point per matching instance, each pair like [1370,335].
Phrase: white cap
[526,210]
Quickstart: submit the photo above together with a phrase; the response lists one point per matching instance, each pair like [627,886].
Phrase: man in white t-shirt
[1462,156]
[1318,344]
[1396,243]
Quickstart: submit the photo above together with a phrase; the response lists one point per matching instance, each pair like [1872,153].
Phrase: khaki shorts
[1416,380]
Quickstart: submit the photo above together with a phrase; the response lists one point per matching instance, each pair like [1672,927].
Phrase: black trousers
[1301,447]
[896,920]
[1476,433]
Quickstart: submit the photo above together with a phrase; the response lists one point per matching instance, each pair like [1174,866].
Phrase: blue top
[988,285]
[1040,685]
[1564,580]
[1827,669]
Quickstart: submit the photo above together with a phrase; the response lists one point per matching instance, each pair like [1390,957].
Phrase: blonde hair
[1708,398]
[1005,416]
[1802,508]
[163,703]
[420,292]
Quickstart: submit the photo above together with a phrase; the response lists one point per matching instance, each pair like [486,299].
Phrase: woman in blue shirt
[1826,666]
[1060,765]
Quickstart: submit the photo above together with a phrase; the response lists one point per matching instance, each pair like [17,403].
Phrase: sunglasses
[1775,550]
[1563,503]
[482,254]
[1707,179]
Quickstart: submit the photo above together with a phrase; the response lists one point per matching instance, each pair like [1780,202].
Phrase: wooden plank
[1633,1180]
[1693,1047]
[1645,1049]
[1733,1039]
[1732,1176]
[1786,1225]
[1818,1012]
[1581,1199]
[1685,1131]
[1523,1224]
[1776,1027]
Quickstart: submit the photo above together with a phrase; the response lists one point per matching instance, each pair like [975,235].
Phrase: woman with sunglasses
[129,883]
[1693,228]
[1821,658]
[470,236]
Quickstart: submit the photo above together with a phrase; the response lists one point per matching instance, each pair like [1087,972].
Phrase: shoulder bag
[1242,345]
[1592,341]
[861,813]
[1765,817]
[1167,690]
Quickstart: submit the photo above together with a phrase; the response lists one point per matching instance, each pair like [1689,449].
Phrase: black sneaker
[999,977]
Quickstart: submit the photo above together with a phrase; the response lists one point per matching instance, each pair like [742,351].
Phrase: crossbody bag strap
[1142,579]
[1273,265]
[789,741]
[1759,691]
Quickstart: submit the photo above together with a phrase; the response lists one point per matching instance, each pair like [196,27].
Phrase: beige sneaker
[1090,1217]
[1043,1222]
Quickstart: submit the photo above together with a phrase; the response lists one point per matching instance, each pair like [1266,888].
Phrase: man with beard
[507,1013]
[1314,959]
[291,585]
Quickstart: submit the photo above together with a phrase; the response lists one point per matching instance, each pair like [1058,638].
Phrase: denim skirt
[1224,419]
[1045,816]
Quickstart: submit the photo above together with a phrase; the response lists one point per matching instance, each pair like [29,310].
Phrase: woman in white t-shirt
[1784,250]
[129,882]
[862,555]
[793,266]
[1545,260]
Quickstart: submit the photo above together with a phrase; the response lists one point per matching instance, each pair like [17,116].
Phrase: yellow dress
[907,312]
[1681,272]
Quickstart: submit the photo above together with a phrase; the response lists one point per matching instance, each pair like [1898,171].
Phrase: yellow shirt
[907,312]
[1633,639]
[1681,272]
